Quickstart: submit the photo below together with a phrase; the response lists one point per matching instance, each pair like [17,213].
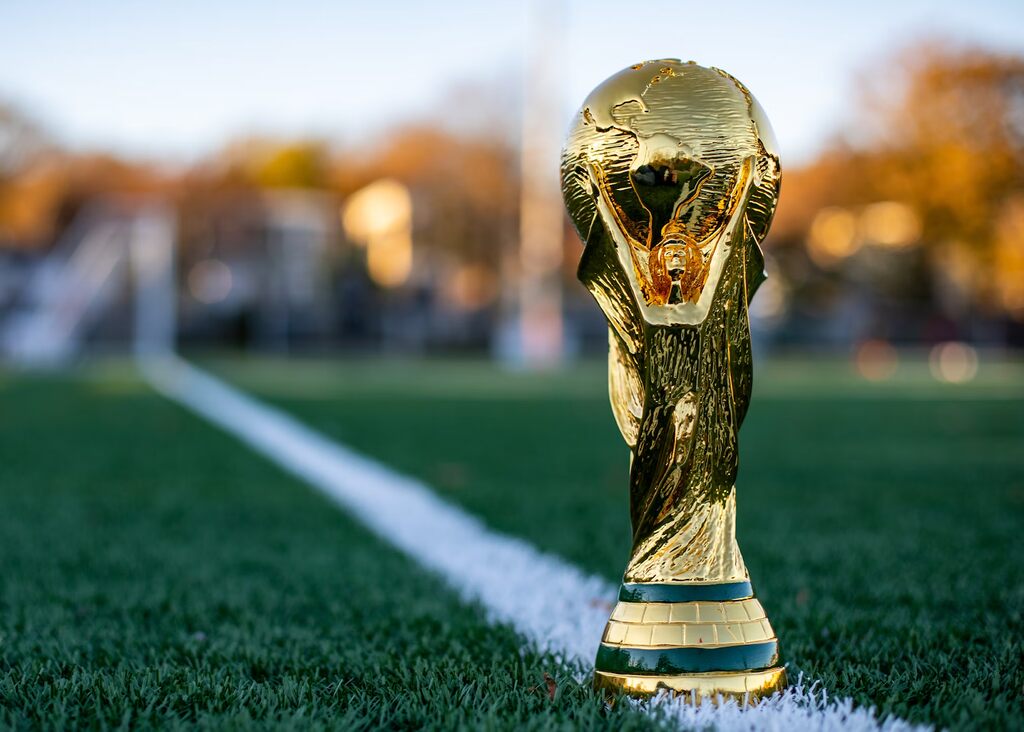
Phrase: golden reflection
[876,360]
[890,224]
[953,362]
[379,217]
[697,687]
[837,233]
[833,236]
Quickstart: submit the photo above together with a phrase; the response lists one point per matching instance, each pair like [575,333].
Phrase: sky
[177,80]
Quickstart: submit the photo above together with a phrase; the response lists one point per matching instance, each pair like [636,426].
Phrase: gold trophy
[671,175]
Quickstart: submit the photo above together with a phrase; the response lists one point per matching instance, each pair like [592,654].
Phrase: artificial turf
[157,574]
[881,522]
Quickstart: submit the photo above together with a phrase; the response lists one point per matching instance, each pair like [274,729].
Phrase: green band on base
[625,660]
[724,592]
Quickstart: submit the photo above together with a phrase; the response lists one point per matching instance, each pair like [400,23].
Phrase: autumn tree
[939,127]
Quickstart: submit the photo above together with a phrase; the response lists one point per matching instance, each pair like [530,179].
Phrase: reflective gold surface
[671,176]
[709,625]
[688,612]
[742,686]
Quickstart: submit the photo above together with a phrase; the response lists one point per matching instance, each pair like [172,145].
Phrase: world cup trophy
[671,175]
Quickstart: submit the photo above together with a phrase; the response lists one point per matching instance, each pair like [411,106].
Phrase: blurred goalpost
[116,248]
[115,263]
[153,254]
[538,337]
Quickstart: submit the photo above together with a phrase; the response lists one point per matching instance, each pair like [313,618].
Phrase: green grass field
[156,572]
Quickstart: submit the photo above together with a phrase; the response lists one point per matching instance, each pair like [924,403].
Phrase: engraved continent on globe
[672,176]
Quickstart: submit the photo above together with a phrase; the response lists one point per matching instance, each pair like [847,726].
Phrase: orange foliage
[940,128]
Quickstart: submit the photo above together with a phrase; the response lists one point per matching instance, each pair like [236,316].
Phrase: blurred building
[257,269]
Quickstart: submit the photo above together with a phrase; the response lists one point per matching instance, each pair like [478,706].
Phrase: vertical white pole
[541,334]
[152,252]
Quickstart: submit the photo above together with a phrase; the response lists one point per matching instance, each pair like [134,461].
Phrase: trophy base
[697,640]
[744,687]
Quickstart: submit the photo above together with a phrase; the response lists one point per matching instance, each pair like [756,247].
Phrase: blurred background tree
[920,199]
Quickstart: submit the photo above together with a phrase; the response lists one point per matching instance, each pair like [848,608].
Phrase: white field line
[554,605]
